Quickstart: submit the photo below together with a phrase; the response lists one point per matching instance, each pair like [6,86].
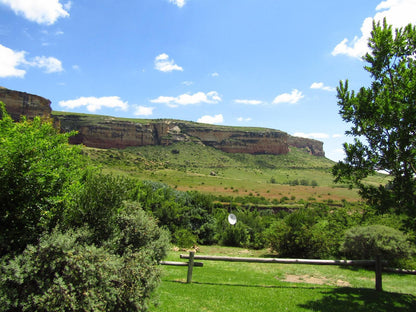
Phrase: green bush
[37,169]
[96,203]
[64,273]
[368,242]
[184,238]
[138,232]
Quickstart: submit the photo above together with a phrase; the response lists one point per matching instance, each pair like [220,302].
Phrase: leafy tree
[37,169]
[383,118]
[368,242]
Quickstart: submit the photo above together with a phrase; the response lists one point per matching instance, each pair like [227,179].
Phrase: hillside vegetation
[189,166]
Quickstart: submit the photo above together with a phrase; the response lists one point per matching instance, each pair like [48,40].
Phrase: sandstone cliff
[109,132]
[24,104]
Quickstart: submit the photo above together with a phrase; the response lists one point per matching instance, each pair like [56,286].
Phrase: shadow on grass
[253,286]
[361,299]
[341,299]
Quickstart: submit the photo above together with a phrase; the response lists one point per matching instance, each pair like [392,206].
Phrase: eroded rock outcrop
[24,104]
[109,132]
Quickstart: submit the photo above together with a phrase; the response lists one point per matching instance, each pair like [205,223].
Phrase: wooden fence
[191,263]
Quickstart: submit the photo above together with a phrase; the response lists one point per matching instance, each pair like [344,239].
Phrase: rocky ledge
[110,132]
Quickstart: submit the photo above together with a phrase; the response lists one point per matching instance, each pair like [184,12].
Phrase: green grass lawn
[230,286]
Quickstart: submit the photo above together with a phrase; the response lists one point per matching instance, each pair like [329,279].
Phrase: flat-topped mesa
[110,132]
[24,104]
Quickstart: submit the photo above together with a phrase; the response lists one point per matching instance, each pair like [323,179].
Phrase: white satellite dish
[232,219]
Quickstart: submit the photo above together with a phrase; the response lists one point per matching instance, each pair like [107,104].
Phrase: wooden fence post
[379,282]
[190,267]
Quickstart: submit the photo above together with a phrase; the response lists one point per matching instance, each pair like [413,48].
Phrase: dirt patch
[318,280]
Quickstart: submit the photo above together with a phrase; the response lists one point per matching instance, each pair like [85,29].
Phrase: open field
[227,286]
[187,166]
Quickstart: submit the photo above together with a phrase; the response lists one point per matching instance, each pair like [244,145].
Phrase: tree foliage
[37,169]
[72,238]
[383,118]
[368,242]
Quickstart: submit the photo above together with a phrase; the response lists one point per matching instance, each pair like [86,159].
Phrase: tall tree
[383,118]
[37,169]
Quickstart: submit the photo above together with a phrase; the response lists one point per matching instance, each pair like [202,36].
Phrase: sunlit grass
[195,167]
[230,286]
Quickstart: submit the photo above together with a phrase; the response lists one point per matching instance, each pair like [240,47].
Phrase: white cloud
[187,83]
[242,119]
[93,103]
[50,64]
[313,135]
[211,119]
[11,60]
[164,64]
[179,3]
[40,11]
[336,154]
[398,13]
[336,136]
[189,99]
[291,98]
[321,86]
[215,74]
[143,111]
[248,102]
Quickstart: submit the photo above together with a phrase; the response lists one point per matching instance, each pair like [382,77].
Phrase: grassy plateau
[188,166]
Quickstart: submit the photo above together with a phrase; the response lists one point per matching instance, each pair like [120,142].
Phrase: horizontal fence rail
[175,263]
[280,260]
[376,263]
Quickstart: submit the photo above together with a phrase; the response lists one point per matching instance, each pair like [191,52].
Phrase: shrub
[368,242]
[137,232]
[184,238]
[96,203]
[64,273]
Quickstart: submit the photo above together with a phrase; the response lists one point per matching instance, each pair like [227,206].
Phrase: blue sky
[260,63]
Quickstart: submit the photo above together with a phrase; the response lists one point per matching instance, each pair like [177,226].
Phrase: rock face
[24,104]
[109,132]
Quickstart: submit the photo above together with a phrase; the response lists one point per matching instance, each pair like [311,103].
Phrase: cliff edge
[110,132]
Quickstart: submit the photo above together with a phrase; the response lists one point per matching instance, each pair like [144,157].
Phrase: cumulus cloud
[95,103]
[143,111]
[11,63]
[49,64]
[321,86]
[179,3]
[242,119]
[398,13]
[164,64]
[313,135]
[291,98]
[189,99]
[42,12]
[248,102]
[211,119]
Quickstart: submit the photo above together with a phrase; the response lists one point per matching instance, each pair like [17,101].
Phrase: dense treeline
[316,230]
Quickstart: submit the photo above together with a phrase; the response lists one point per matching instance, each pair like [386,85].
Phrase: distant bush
[367,242]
